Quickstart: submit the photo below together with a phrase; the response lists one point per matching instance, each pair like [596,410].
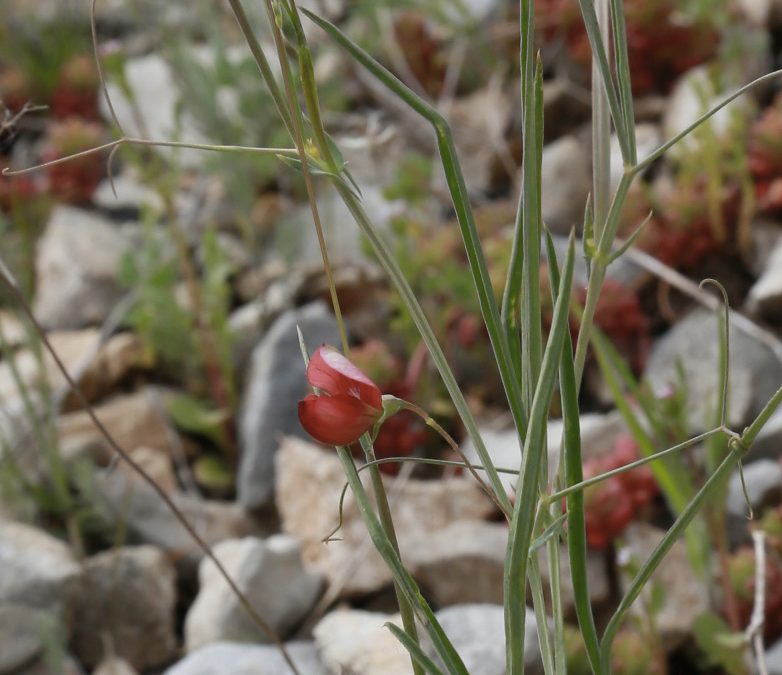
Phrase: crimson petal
[336,420]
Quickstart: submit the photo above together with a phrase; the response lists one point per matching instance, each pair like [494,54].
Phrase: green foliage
[412,180]
[718,645]
[213,474]
[166,328]
[198,417]
[40,48]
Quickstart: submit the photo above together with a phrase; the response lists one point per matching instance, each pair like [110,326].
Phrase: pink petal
[335,375]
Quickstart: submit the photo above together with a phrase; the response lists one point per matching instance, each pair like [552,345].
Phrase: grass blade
[623,77]
[574,474]
[414,649]
[600,54]
[534,448]
[425,615]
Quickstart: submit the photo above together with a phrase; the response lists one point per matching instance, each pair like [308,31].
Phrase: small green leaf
[555,529]
[193,415]
[213,473]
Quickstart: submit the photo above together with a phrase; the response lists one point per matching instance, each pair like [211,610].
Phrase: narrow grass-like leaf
[527,498]
[640,166]
[414,649]
[619,32]
[541,619]
[554,529]
[391,267]
[531,328]
[600,53]
[387,522]
[574,474]
[627,243]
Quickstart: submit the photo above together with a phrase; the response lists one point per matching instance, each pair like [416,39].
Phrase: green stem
[581,485]
[387,522]
[406,583]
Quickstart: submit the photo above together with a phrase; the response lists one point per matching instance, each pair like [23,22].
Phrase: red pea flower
[348,405]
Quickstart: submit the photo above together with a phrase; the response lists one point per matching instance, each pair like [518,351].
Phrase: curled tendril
[724,344]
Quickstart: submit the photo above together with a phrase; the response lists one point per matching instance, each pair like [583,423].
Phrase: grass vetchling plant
[533,366]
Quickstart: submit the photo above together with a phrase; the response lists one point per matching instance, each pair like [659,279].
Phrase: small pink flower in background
[348,405]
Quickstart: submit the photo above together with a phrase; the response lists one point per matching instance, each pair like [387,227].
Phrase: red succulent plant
[75,180]
[610,505]
[348,403]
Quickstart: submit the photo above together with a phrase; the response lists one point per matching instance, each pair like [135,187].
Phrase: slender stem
[263,64]
[127,140]
[387,523]
[391,267]
[555,586]
[527,499]
[754,631]
[406,583]
[430,422]
[599,265]
[752,431]
[578,487]
[298,137]
[643,164]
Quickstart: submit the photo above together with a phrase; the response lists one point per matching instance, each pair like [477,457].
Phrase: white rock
[479,122]
[462,562]
[354,641]
[774,653]
[420,509]
[21,636]
[128,501]
[76,268]
[38,571]
[271,575]
[478,634]
[757,12]
[114,666]
[693,95]
[233,658]
[130,194]
[129,595]
[155,92]
[765,296]
[566,180]
[133,420]
[685,596]
[755,372]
